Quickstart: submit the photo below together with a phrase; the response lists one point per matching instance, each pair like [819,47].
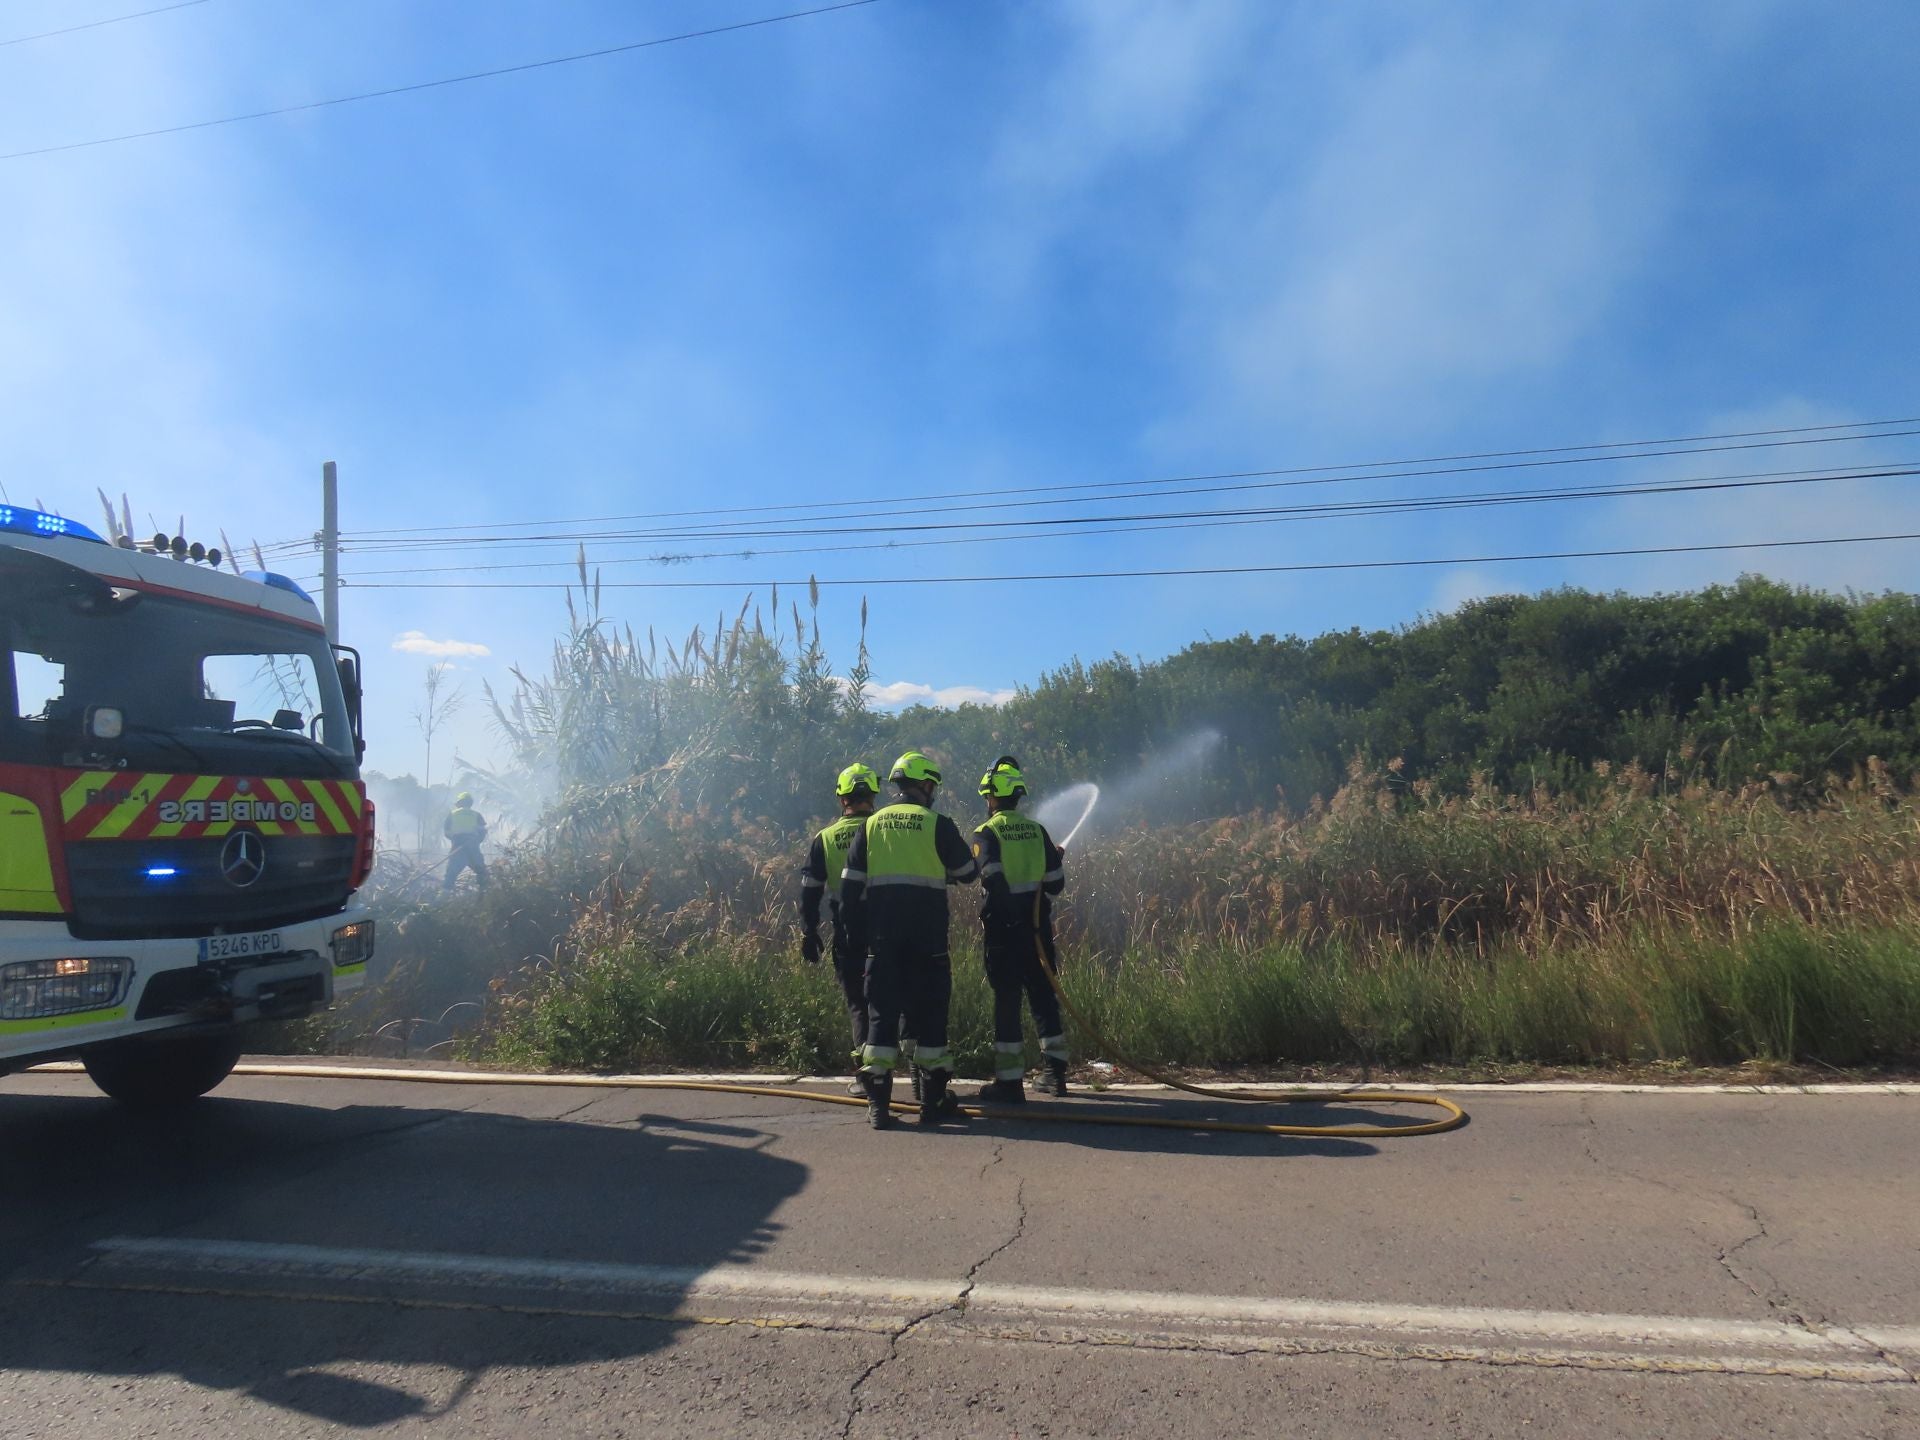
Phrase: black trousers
[1013,970]
[851,971]
[911,976]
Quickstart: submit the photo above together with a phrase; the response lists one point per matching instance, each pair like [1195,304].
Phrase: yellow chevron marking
[356,797]
[337,823]
[285,793]
[202,787]
[75,798]
[128,811]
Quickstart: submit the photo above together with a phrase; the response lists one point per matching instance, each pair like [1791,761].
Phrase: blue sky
[956,245]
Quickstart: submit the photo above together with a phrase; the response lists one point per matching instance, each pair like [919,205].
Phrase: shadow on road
[77,1170]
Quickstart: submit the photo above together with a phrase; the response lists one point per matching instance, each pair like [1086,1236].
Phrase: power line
[1349,510]
[1321,566]
[1008,527]
[836,525]
[1028,490]
[443,82]
[96,24]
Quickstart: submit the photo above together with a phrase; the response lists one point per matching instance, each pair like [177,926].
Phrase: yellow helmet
[915,766]
[463,800]
[855,778]
[1003,782]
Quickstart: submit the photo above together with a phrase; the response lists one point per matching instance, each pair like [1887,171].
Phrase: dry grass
[1390,925]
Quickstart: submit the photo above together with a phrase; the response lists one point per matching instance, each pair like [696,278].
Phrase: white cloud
[418,642]
[1459,586]
[897,694]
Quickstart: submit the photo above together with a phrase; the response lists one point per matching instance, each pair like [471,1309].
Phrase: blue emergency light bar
[18,520]
[277,582]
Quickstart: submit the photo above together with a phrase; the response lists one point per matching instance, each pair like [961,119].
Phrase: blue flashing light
[277,582]
[18,520]
[161,872]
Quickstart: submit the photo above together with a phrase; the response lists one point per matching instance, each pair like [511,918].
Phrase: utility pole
[330,550]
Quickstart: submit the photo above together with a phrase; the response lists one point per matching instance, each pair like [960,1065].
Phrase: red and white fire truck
[183,828]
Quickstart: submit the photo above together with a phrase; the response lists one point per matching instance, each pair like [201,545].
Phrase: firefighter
[465,828]
[856,788]
[893,895]
[1021,870]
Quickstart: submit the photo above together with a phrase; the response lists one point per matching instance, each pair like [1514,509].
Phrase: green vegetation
[1566,829]
[1846,997]
[1723,686]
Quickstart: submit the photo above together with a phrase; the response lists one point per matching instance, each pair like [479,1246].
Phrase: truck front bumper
[131,987]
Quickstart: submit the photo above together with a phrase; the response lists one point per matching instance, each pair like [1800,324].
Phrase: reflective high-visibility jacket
[820,877]
[465,828]
[897,872]
[1018,860]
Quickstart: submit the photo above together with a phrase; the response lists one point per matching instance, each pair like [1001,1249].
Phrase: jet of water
[1075,804]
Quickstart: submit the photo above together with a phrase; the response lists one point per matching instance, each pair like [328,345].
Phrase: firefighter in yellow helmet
[893,894]
[465,829]
[1021,870]
[856,789]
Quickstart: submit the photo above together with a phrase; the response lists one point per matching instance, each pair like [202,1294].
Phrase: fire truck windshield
[196,686]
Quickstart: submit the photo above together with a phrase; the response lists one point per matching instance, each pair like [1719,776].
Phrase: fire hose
[1071,1114]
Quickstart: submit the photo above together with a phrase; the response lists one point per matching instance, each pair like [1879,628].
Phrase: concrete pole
[330,550]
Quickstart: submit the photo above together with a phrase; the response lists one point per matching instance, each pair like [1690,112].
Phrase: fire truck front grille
[131,888]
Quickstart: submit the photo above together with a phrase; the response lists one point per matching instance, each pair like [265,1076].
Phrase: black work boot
[919,1078]
[937,1103]
[1001,1092]
[879,1090]
[1054,1081]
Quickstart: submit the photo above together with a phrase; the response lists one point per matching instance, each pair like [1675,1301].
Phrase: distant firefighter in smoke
[466,830]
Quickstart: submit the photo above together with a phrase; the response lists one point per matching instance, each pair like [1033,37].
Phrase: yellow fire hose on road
[1069,1113]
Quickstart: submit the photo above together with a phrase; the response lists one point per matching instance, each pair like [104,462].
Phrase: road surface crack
[1777,1299]
[956,1307]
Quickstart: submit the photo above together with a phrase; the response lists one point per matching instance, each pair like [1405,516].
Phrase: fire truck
[183,828]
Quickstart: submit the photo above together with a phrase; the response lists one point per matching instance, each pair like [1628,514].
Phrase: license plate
[242,947]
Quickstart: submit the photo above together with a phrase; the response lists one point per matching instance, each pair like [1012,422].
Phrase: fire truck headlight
[353,944]
[41,989]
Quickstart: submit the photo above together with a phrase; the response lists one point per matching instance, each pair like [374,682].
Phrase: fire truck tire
[161,1071]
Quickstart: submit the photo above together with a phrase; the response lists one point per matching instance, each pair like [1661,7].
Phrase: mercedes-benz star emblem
[243,859]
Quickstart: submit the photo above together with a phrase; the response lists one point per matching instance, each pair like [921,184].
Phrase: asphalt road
[293,1256]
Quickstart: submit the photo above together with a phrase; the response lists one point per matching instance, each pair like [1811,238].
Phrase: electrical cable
[1172,573]
[1233,518]
[837,525]
[96,24]
[441,83]
[1026,490]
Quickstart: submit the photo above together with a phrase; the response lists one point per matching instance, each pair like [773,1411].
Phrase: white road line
[247,1257]
[990,1303]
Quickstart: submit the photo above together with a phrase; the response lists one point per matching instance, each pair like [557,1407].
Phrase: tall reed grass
[1391,925]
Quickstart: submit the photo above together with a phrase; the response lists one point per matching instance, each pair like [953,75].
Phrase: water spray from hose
[1075,803]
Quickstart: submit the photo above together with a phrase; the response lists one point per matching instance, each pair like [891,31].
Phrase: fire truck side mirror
[348,661]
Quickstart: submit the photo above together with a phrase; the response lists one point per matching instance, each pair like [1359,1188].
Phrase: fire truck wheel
[152,1072]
